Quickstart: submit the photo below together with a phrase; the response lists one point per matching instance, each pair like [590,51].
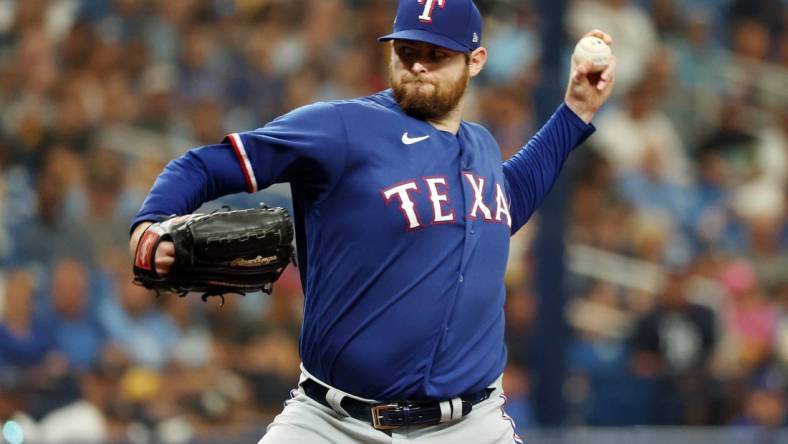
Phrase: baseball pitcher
[403,214]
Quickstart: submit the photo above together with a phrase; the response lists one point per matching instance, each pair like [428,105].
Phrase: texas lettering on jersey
[442,212]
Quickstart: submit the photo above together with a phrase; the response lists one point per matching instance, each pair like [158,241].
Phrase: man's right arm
[306,146]
[200,175]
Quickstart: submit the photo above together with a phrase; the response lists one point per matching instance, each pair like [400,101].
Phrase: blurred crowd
[678,203]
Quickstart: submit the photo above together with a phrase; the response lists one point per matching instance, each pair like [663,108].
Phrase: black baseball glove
[223,252]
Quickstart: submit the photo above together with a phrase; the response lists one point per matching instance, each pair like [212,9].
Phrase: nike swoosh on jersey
[411,140]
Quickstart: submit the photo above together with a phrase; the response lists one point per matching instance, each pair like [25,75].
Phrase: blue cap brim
[420,35]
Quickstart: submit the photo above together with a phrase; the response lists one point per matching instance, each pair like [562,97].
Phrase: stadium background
[651,290]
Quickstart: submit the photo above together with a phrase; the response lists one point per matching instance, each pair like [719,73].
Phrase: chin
[421,92]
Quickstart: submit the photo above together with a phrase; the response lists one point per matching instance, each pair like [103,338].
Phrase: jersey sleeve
[306,146]
[531,173]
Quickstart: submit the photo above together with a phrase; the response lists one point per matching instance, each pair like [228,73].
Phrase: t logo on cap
[429,7]
[458,25]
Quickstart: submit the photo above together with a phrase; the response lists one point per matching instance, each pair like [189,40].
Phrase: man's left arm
[531,173]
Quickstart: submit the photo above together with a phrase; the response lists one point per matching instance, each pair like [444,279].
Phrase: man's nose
[418,68]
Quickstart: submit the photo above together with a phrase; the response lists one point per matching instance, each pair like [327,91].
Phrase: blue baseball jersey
[402,232]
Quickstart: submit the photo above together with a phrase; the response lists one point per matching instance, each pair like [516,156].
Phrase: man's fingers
[166,249]
[608,75]
[163,266]
[582,71]
[601,35]
[165,257]
[610,72]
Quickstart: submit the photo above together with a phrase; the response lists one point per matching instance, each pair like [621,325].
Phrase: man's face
[428,81]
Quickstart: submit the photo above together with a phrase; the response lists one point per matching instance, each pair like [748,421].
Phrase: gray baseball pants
[305,420]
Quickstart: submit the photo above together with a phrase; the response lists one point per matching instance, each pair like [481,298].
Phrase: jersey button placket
[465,165]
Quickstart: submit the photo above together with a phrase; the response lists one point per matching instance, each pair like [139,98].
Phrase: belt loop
[445,411]
[456,409]
[334,399]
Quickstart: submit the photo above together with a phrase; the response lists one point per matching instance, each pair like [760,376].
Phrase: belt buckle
[376,416]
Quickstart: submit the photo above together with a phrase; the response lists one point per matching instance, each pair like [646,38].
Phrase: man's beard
[428,105]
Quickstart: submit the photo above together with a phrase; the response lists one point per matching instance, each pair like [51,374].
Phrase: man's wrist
[580,111]
[136,235]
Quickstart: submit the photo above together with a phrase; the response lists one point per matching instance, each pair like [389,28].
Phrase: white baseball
[593,49]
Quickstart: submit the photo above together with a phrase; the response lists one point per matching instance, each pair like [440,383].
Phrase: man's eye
[439,55]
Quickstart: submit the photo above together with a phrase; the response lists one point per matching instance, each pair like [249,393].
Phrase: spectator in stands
[627,133]
[50,234]
[194,349]
[771,149]
[269,362]
[750,318]
[781,333]
[134,322]
[507,112]
[767,254]
[710,215]
[516,43]
[599,361]
[650,189]
[25,339]
[255,86]
[102,220]
[672,346]
[5,242]
[72,317]
[764,408]
[200,77]
[701,61]
[29,108]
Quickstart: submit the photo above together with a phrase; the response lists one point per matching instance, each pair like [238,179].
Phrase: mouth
[410,79]
[419,84]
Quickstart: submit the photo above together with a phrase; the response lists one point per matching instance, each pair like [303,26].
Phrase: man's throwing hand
[588,88]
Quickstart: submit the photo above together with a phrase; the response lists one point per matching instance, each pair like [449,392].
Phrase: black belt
[391,415]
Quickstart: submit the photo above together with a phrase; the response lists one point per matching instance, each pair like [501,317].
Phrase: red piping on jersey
[240,152]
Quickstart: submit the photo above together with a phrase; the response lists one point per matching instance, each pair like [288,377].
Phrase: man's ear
[389,53]
[477,61]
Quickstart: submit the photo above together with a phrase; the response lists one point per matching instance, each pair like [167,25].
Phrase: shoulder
[479,133]
[382,101]
[311,111]
[337,109]
[476,129]
[319,119]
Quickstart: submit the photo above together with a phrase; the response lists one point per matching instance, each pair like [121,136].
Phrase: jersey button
[462,279]
[473,231]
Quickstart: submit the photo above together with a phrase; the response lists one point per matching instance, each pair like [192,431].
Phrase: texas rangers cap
[451,24]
